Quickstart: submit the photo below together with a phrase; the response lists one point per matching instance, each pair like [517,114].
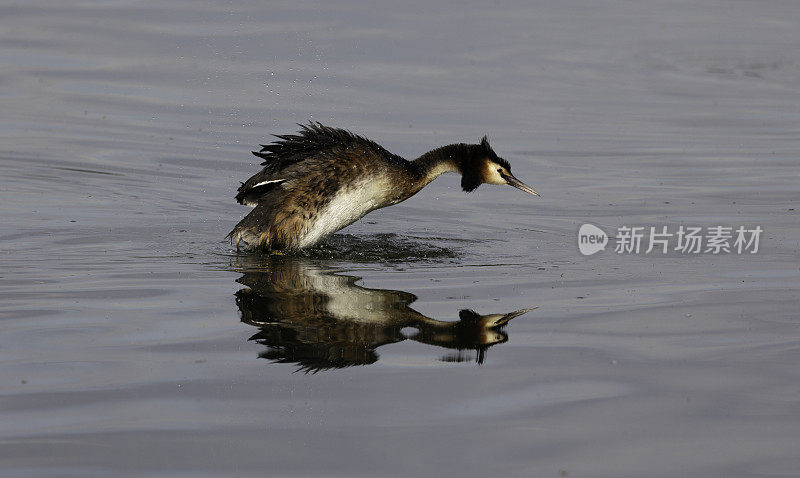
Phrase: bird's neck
[447,159]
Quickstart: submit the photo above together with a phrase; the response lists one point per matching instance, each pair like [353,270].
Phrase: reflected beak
[493,321]
[507,317]
[512,181]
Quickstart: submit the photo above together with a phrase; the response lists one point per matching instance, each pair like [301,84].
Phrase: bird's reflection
[320,320]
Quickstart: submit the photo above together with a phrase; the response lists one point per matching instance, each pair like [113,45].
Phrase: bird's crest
[492,155]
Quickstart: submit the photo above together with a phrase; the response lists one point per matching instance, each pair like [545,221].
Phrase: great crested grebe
[320,319]
[323,179]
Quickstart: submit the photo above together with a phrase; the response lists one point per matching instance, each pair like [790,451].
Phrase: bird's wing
[313,141]
[257,186]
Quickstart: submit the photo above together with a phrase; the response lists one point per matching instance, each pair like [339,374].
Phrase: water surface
[135,341]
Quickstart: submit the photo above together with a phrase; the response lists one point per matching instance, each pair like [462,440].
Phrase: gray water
[135,341]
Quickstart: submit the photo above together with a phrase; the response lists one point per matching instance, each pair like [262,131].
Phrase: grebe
[323,179]
[320,319]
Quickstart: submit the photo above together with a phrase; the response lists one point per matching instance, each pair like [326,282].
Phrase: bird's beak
[512,181]
[499,320]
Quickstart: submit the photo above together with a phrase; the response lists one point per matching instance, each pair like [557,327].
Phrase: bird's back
[310,152]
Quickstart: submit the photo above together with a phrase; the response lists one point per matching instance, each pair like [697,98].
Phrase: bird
[320,319]
[322,179]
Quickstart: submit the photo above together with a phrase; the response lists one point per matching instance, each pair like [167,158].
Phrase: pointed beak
[517,313]
[512,181]
[499,320]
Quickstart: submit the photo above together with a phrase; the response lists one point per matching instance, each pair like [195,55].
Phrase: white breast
[349,205]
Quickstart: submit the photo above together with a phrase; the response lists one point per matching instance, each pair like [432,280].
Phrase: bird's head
[483,165]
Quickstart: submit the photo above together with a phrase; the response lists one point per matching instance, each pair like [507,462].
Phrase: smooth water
[135,341]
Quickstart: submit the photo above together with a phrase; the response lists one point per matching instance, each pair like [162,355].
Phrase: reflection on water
[320,320]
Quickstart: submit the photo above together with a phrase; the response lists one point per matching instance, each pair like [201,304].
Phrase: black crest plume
[492,155]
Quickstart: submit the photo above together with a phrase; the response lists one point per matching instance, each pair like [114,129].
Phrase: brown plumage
[322,179]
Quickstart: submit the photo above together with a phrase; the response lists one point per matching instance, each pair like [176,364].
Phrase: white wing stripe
[268,182]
